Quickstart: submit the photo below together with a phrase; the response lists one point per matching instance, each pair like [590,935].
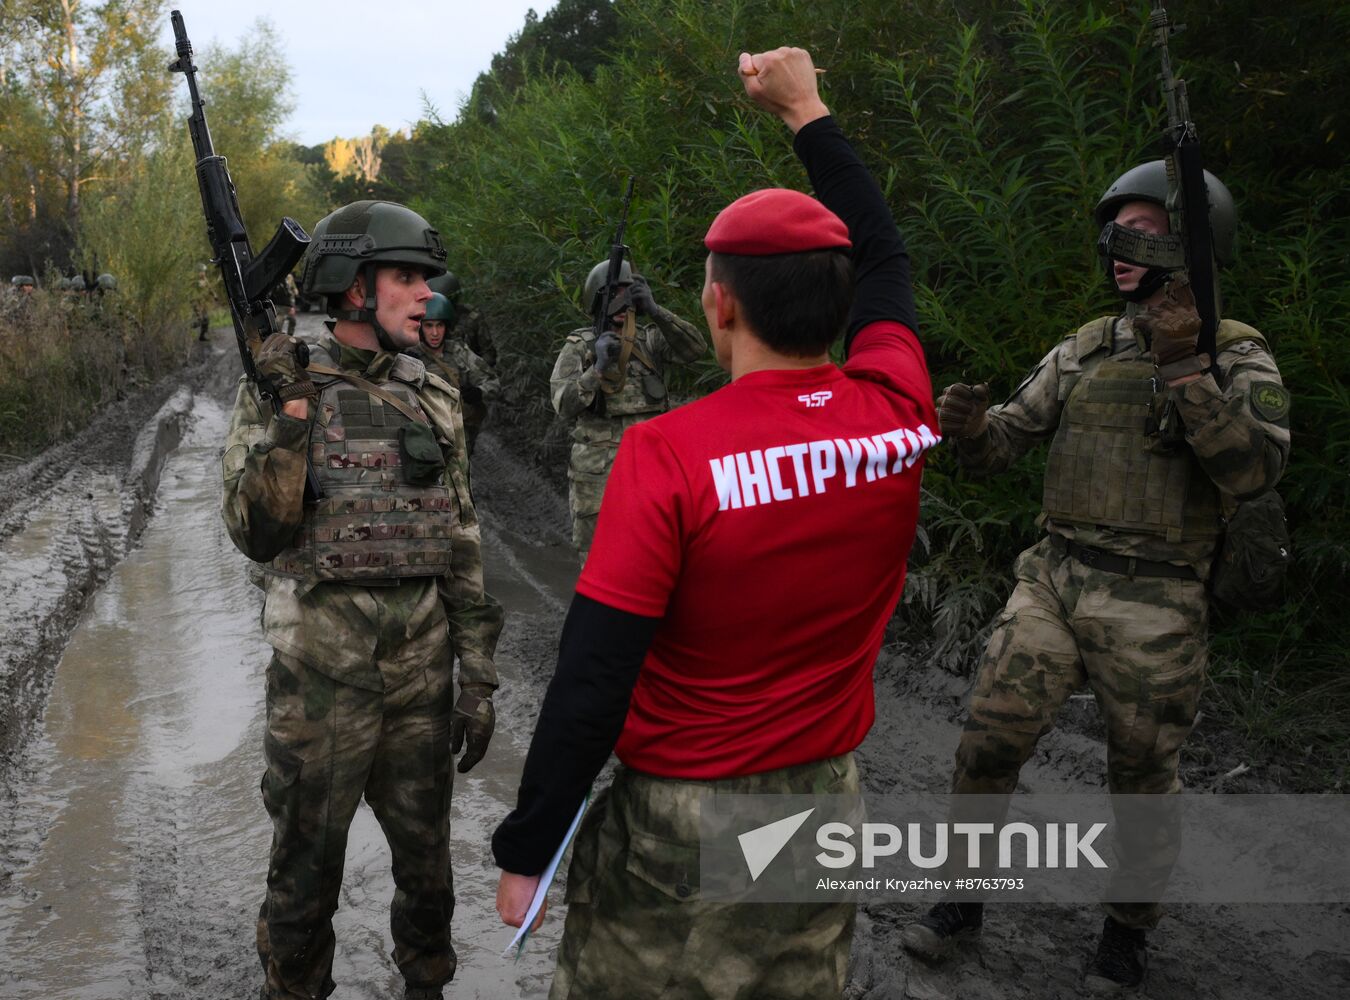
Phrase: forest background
[993,126]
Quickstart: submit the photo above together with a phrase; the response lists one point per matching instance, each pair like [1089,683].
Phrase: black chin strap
[366,314]
[1154,278]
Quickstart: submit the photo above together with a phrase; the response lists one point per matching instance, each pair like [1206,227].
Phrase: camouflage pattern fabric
[334,626]
[599,427]
[637,928]
[1229,431]
[326,746]
[1138,643]
[459,365]
[359,696]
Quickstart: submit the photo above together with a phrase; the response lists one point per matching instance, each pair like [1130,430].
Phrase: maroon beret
[776,220]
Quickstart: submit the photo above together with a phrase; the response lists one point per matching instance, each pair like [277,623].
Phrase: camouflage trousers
[637,928]
[327,745]
[587,473]
[1138,644]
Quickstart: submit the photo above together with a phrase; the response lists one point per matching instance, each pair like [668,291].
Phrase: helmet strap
[1154,278]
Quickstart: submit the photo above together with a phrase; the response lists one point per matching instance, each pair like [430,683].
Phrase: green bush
[993,127]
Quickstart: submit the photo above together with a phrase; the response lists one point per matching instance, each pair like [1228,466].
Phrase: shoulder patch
[1269,401]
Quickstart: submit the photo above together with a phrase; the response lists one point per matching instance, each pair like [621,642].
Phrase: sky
[357,63]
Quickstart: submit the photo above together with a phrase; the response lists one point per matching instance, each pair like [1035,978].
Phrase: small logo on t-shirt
[814,400]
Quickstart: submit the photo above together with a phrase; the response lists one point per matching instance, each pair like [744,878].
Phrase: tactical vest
[643,390]
[441,366]
[371,525]
[1108,466]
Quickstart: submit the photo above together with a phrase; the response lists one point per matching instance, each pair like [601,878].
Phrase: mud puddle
[134,840]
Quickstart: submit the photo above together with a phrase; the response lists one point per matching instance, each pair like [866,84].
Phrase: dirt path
[132,838]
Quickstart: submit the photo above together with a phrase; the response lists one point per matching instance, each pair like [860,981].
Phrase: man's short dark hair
[798,303]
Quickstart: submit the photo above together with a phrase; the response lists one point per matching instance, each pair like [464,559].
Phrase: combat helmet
[439,307]
[77,283]
[595,282]
[446,284]
[356,239]
[19,280]
[106,283]
[1148,182]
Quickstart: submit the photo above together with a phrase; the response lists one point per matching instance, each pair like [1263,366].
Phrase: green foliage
[993,127]
[96,174]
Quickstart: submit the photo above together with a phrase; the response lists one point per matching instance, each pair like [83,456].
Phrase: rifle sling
[373,389]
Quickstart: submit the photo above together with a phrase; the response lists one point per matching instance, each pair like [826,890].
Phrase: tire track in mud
[198,835]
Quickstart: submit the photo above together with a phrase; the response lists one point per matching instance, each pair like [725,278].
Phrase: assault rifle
[248,279]
[616,254]
[1190,243]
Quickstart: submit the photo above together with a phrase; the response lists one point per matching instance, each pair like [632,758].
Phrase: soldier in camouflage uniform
[446,354]
[201,302]
[469,323]
[371,591]
[283,300]
[610,384]
[1148,449]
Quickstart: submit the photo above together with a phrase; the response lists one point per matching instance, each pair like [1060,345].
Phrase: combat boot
[937,933]
[1121,959]
[423,993]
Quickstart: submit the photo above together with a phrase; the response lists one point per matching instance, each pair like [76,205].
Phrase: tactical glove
[640,294]
[961,410]
[473,721]
[1172,328]
[607,350]
[281,365]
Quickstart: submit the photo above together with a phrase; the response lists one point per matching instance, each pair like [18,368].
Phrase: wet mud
[133,842]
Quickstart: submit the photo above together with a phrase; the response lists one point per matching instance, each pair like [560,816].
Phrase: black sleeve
[880,260]
[583,713]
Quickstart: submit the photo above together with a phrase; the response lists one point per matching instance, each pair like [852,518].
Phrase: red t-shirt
[768,525]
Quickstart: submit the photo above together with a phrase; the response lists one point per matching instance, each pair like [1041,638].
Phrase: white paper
[545,881]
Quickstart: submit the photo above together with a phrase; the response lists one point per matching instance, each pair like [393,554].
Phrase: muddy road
[133,840]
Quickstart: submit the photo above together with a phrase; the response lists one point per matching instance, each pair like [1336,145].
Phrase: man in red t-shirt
[750,549]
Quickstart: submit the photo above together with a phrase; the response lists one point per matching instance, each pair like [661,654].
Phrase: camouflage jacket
[1236,428]
[461,367]
[473,330]
[349,631]
[575,382]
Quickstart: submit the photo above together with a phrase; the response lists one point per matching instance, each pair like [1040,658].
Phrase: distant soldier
[469,324]
[1149,445]
[446,354]
[106,283]
[610,384]
[17,295]
[201,302]
[283,300]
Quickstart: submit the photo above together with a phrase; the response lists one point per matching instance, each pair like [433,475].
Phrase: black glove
[961,410]
[473,720]
[607,350]
[641,296]
[281,365]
